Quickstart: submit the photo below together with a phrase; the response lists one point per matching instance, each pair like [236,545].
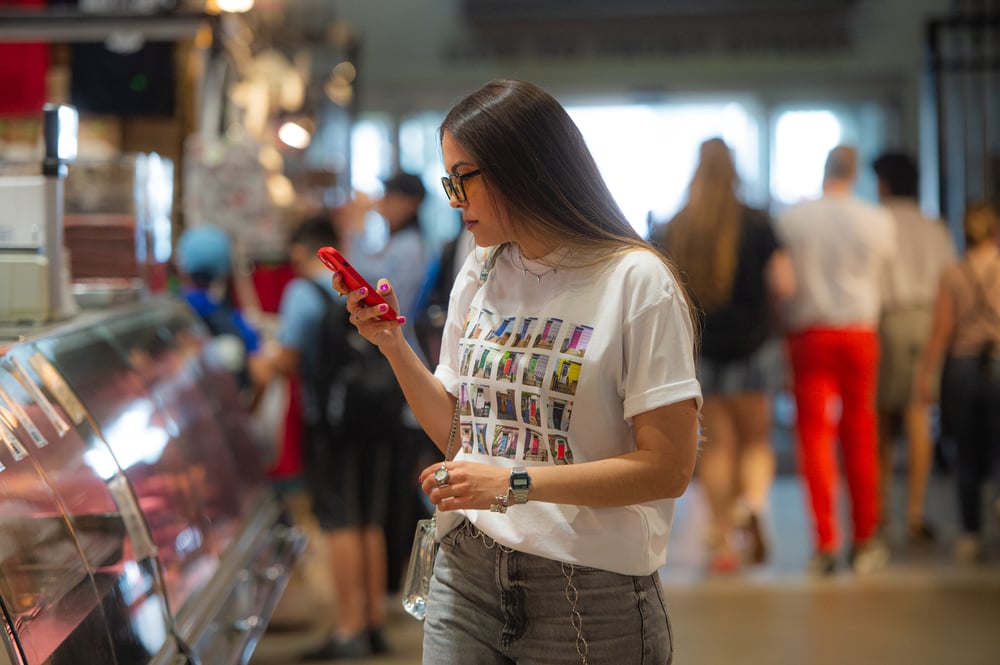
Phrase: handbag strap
[454,428]
[483,275]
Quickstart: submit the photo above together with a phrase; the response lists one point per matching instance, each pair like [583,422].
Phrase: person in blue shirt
[204,261]
[347,446]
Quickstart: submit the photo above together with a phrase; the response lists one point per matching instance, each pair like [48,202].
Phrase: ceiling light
[234,6]
[294,135]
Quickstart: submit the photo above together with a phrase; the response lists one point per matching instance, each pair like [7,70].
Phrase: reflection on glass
[134,437]
[101,461]
[135,502]
[75,572]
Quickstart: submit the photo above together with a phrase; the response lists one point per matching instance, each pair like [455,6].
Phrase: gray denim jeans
[490,604]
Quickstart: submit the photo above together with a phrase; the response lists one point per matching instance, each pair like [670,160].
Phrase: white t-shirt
[551,370]
[924,250]
[841,248]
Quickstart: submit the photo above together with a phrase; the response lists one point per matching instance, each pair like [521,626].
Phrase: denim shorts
[765,370]
[490,604]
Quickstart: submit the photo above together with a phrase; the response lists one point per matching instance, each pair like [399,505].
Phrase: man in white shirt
[924,248]
[840,248]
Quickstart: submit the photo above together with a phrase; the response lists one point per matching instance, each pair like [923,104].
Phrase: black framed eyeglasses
[454,184]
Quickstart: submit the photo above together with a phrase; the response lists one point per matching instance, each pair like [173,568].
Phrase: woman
[735,269]
[574,363]
[966,333]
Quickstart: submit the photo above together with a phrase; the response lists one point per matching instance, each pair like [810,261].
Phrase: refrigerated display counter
[136,523]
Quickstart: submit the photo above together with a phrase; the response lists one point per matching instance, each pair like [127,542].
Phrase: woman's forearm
[660,468]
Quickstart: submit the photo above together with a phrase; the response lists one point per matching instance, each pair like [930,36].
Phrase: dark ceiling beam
[74,26]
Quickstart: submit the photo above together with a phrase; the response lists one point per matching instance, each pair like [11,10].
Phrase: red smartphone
[336,262]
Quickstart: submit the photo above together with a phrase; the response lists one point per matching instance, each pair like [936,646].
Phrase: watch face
[441,474]
[520,481]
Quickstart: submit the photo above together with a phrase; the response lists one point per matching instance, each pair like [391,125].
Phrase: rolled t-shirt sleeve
[659,364]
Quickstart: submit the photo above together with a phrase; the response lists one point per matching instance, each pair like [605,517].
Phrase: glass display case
[135,521]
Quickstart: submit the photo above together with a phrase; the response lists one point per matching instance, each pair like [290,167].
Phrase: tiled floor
[920,610]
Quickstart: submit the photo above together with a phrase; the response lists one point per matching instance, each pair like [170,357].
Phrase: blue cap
[204,250]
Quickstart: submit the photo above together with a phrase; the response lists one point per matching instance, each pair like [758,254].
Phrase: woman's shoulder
[642,258]
[640,266]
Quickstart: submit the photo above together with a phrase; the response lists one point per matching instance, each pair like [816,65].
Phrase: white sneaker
[967,548]
[870,556]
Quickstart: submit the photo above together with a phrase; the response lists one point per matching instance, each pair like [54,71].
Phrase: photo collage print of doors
[519,379]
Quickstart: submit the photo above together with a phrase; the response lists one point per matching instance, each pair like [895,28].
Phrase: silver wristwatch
[520,484]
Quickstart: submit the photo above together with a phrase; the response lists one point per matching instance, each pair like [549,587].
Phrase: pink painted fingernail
[401,319]
[383,287]
[364,291]
[383,308]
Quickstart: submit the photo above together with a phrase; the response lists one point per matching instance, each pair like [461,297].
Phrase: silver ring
[442,476]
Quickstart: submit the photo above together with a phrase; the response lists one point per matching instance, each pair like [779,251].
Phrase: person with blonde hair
[966,335]
[736,270]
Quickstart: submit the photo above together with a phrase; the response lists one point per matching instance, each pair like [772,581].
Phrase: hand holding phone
[336,262]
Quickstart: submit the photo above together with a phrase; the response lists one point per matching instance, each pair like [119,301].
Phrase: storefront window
[650,154]
[802,140]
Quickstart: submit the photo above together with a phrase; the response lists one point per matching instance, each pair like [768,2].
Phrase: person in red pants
[839,247]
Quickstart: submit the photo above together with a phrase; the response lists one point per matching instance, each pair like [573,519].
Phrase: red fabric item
[288,465]
[23,68]
[270,282]
[828,364]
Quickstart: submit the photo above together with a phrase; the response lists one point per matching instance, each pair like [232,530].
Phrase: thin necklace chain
[525,270]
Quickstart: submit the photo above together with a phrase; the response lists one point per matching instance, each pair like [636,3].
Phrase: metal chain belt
[572,594]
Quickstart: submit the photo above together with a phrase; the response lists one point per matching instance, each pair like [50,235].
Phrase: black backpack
[350,383]
[432,304]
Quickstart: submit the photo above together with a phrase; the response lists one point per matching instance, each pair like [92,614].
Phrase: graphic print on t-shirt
[519,379]
[525,329]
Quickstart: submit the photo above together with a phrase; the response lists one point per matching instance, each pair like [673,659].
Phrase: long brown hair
[542,176]
[980,224]
[703,238]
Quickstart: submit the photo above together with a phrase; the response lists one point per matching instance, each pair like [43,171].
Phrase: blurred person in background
[841,247]
[966,336]
[736,270]
[205,262]
[403,259]
[347,447]
[403,256]
[924,248]
[432,310]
